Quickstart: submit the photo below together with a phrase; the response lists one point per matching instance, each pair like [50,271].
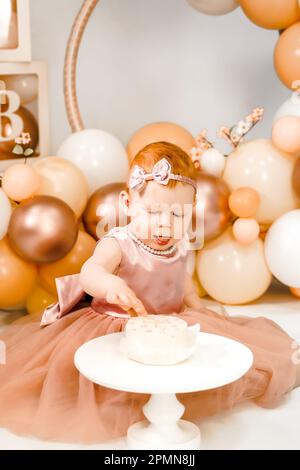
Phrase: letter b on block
[13,104]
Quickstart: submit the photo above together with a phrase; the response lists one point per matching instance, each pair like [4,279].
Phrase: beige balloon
[261,166]
[62,179]
[233,273]
[199,288]
[26,86]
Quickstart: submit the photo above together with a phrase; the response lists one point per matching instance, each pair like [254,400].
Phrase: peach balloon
[271,14]
[259,165]
[16,308]
[287,55]
[244,202]
[296,178]
[38,300]
[245,231]
[62,179]
[70,264]
[286,134]
[157,132]
[20,182]
[233,273]
[17,277]
[295,291]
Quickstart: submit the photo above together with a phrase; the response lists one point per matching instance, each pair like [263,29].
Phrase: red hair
[179,160]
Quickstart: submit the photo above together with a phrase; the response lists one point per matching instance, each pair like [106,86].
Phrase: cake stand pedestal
[164,426]
[217,361]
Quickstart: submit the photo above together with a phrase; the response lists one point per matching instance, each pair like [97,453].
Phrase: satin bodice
[158,281]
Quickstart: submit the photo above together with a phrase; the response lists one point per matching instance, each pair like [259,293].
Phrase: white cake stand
[217,361]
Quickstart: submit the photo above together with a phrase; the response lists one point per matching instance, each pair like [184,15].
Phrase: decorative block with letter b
[24,112]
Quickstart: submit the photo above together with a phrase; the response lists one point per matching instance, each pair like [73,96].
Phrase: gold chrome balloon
[212,204]
[104,203]
[42,229]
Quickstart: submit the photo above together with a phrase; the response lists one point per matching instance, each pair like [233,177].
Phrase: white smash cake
[159,339]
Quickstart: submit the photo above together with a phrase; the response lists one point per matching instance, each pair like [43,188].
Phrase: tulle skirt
[43,395]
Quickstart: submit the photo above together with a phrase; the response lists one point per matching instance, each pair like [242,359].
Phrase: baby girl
[139,269]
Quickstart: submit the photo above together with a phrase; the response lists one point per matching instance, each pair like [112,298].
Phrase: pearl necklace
[145,247]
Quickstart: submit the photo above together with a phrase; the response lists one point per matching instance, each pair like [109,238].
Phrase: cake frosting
[158,339]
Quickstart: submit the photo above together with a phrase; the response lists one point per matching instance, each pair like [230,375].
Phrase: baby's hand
[119,293]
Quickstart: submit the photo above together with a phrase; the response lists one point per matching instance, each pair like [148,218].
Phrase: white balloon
[213,162]
[214,7]
[5,213]
[100,156]
[25,85]
[282,248]
[290,107]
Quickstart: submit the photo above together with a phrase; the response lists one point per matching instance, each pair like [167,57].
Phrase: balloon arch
[251,196]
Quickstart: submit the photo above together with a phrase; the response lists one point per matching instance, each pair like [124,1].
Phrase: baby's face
[161,215]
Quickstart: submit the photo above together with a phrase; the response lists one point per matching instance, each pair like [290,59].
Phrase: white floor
[246,426]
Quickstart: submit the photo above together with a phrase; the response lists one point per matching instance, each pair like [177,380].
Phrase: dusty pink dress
[42,394]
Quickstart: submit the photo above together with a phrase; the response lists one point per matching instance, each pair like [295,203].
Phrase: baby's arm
[191,297]
[97,278]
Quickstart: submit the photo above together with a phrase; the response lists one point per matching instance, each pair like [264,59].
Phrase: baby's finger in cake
[132,312]
[139,307]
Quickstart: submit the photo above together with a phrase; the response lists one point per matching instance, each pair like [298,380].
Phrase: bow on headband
[161,173]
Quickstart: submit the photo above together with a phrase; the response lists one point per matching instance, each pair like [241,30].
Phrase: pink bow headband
[161,173]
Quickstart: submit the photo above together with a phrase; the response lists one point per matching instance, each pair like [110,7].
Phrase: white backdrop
[158,60]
